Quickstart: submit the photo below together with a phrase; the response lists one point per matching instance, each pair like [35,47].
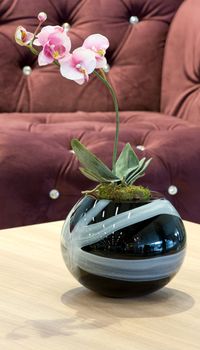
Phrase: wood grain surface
[43,307]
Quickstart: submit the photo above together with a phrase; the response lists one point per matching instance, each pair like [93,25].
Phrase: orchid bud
[42,16]
[22,37]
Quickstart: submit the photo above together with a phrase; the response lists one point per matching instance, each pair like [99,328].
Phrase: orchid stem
[102,77]
[34,51]
[37,29]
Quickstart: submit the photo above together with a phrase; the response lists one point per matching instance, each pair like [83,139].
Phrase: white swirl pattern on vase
[128,269]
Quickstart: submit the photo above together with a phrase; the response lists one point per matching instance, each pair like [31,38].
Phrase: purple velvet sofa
[154,66]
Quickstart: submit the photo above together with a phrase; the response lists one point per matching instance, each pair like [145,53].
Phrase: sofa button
[106,68]
[133,20]
[26,70]
[66,26]
[172,190]
[54,194]
[140,147]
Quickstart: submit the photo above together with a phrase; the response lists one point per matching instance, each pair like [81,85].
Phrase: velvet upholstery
[41,112]
[181,90]
[135,54]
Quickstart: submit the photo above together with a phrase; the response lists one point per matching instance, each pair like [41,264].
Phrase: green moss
[119,192]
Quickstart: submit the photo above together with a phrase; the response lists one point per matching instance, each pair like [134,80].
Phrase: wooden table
[43,307]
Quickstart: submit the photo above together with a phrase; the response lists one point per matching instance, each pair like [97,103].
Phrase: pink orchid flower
[98,44]
[22,37]
[55,42]
[78,65]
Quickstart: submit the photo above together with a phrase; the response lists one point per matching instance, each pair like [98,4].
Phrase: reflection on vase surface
[123,249]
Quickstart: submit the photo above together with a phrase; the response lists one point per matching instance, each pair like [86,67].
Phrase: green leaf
[142,162]
[90,175]
[91,163]
[134,175]
[141,167]
[126,161]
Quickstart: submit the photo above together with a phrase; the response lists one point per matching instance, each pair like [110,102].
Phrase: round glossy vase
[123,249]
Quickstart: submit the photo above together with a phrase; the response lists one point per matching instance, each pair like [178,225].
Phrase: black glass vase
[123,249]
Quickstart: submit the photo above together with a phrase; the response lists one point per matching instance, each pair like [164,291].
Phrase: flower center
[55,51]
[23,35]
[82,70]
[78,66]
[101,52]
[55,54]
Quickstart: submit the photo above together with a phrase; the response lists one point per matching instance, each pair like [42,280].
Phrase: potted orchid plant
[120,239]
[115,183]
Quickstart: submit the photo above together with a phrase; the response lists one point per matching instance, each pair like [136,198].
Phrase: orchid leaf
[127,160]
[135,170]
[131,172]
[142,162]
[91,163]
[90,175]
[132,179]
[134,175]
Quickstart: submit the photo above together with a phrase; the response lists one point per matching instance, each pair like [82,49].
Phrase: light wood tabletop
[43,307]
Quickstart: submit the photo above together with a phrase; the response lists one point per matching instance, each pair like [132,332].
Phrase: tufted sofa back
[136,29]
[181,90]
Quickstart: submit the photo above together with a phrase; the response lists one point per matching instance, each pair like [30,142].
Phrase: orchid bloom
[78,65]
[98,44]
[22,37]
[55,42]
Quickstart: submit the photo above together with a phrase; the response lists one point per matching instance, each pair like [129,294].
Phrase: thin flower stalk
[114,97]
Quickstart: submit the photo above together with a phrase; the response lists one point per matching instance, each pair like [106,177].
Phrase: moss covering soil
[119,192]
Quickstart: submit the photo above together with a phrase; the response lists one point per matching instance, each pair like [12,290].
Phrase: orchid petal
[59,38]
[68,70]
[101,62]
[86,58]
[36,42]
[78,65]
[97,41]
[80,81]
[43,60]
[43,36]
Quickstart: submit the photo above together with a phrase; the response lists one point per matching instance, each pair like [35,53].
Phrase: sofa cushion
[36,157]
[181,69]
[136,29]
